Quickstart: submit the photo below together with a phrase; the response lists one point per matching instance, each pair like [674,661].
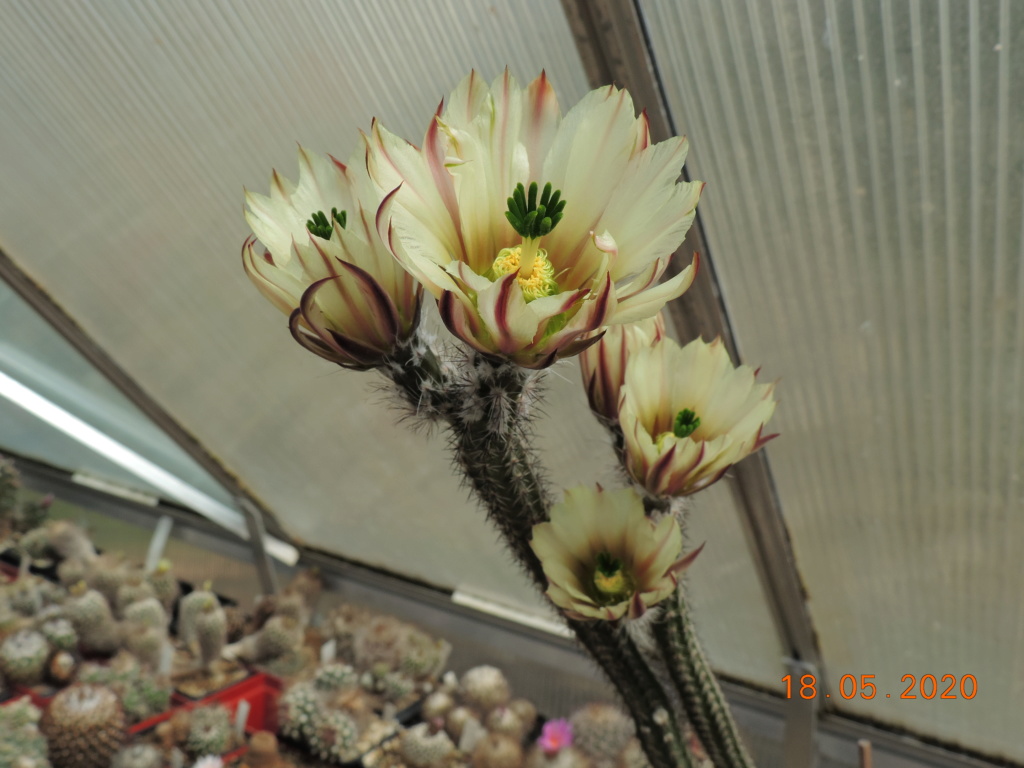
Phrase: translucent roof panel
[135,130]
[865,165]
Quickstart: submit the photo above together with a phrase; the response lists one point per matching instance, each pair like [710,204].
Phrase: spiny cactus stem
[702,697]
[621,660]
[497,461]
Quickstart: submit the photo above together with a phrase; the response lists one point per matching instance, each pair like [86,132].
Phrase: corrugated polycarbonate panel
[865,163]
[127,131]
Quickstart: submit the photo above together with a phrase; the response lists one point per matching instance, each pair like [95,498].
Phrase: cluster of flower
[540,237]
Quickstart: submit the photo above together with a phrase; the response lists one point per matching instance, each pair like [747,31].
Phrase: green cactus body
[334,676]
[209,732]
[23,657]
[334,737]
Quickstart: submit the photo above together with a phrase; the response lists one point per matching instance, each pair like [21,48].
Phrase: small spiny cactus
[209,732]
[23,657]
[422,749]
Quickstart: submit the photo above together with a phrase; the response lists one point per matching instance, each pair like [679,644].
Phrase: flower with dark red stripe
[687,415]
[533,232]
[347,299]
[604,558]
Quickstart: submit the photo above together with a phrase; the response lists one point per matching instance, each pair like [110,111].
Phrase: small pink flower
[555,736]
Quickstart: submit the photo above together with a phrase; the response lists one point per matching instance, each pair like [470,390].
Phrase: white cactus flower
[324,265]
[687,415]
[604,558]
[532,231]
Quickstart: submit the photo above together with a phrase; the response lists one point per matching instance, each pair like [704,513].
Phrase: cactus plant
[21,743]
[138,756]
[85,726]
[23,657]
[496,750]
[209,732]
[485,687]
[165,586]
[60,633]
[211,629]
[189,608]
[299,709]
[334,737]
[93,620]
[421,748]
[334,676]
[602,731]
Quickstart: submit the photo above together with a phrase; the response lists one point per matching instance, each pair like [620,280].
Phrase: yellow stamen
[536,282]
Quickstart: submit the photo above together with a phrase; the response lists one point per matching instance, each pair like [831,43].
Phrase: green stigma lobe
[530,218]
[319,225]
[686,423]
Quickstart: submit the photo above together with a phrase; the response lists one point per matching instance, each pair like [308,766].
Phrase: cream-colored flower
[533,231]
[687,415]
[604,365]
[604,558]
[324,265]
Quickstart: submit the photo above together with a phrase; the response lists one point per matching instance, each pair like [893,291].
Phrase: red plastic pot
[261,690]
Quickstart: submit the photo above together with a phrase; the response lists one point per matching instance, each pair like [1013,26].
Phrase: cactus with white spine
[602,731]
[189,608]
[149,612]
[89,612]
[134,589]
[145,643]
[279,636]
[70,542]
[210,731]
[334,676]
[138,756]
[165,585]
[60,633]
[21,743]
[421,748]
[485,687]
[496,750]
[334,737]
[298,711]
[23,657]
